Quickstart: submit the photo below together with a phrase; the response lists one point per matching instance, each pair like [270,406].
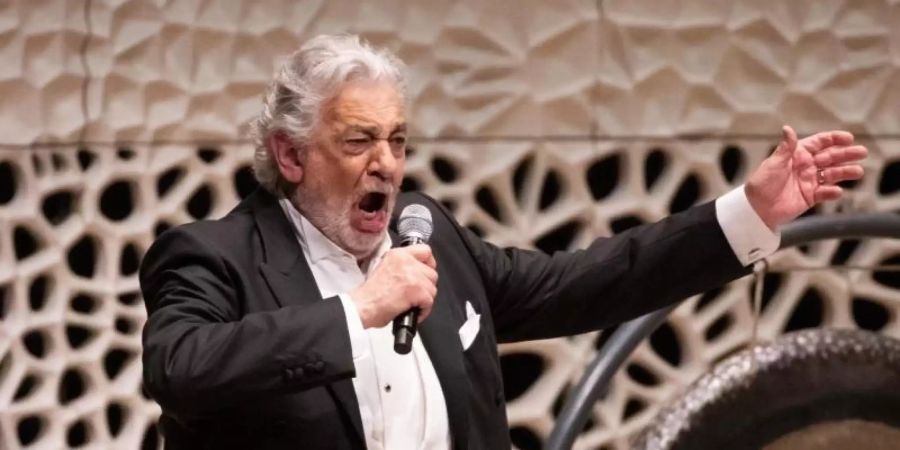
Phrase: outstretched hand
[800,174]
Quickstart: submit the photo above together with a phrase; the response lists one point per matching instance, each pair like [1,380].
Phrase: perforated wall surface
[539,125]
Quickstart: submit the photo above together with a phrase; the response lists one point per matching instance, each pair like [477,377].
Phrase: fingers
[837,155]
[825,139]
[826,193]
[422,253]
[832,175]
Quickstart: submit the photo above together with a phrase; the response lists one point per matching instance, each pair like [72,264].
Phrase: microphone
[414,228]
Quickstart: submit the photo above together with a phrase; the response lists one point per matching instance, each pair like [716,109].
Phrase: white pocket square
[469,330]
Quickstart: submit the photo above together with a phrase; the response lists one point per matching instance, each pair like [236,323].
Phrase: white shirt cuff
[748,236]
[358,338]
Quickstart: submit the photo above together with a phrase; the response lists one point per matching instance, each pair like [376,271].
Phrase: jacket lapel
[441,340]
[287,273]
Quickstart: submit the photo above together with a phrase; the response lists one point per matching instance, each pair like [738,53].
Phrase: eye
[398,140]
[358,140]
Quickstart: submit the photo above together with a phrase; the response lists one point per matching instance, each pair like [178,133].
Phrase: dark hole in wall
[244,181]
[558,239]
[808,313]
[551,190]
[151,438]
[38,163]
[888,278]
[890,179]
[8,182]
[844,251]
[444,170]
[86,159]
[83,303]
[72,386]
[633,407]
[3,300]
[167,180]
[117,201]
[57,207]
[208,154]
[35,343]
[603,176]
[125,153]
[523,169]
[641,375]
[410,184]
[38,292]
[520,371]
[485,199]
[82,257]
[115,415]
[114,361]
[77,434]
[26,387]
[24,243]
[654,166]
[664,342]
[129,261]
[58,161]
[719,327]
[686,196]
[524,439]
[707,297]
[200,203]
[620,224]
[78,336]
[870,315]
[29,429]
[129,298]
[731,161]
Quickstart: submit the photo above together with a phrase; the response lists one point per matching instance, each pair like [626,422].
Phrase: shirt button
[387,388]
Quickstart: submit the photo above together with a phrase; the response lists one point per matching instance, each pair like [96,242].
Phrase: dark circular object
[82,257]
[603,176]
[77,435]
[57,207]
[444,170]
[72,387]
[29,429]
[244,181]
[200,203]
[116,201]
[804,381]
[7,182]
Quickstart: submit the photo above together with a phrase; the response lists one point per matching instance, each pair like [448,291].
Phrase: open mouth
[373,201]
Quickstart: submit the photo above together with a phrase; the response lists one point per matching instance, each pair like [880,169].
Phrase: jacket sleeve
[202,354]
[533,295]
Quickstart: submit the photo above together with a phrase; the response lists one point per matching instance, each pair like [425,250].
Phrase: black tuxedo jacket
[241,351]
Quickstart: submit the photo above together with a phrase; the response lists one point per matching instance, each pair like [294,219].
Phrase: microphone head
[415,223]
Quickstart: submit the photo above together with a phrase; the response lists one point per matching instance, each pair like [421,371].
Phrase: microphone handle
[405,324]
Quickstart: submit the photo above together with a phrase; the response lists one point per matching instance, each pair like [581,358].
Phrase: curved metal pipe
[609,358]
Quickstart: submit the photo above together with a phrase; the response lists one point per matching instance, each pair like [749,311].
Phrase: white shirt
[401,403]
[400,398]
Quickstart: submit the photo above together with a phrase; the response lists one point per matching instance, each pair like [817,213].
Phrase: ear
[287,157]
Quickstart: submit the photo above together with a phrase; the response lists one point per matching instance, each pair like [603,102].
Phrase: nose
[383,163]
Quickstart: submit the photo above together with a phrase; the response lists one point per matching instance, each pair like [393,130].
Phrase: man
[270,328]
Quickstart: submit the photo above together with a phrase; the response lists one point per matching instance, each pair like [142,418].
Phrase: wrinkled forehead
[367,104]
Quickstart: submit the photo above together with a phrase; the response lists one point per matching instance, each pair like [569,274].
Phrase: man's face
[354,165]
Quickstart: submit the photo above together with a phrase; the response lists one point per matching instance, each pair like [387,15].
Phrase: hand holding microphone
[404,284]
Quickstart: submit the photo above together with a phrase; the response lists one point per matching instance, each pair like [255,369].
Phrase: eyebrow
[373,131]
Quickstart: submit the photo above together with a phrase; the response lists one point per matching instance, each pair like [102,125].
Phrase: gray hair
[308,78]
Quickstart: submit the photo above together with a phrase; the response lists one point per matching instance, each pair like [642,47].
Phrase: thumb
[788,143]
